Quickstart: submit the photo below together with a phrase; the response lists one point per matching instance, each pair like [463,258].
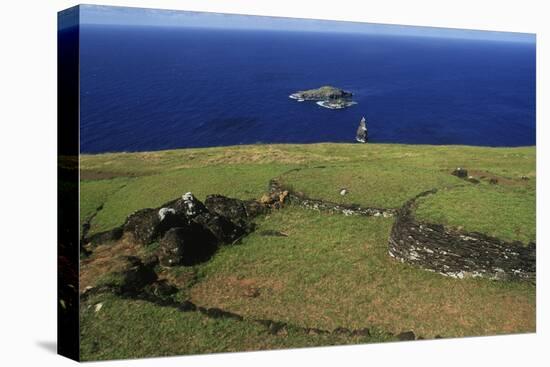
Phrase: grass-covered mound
[307,268]
[508,213]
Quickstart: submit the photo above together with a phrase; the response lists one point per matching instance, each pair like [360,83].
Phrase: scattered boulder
[341,331]
[186,245]
[147,225]
[406,335]
[361,332]
[169,218]
[343,191]
[173,247]
[142,225]
[472,179]
[224,230]
[460,172]
[493,181]
[232,209]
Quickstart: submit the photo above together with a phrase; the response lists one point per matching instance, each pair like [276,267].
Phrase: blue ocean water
[153,88]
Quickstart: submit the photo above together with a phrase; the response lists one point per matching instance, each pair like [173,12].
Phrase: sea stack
[362,135]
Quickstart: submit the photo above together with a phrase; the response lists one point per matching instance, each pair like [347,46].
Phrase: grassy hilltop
[328,271]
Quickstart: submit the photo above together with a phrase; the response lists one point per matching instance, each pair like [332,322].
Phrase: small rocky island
[326,96]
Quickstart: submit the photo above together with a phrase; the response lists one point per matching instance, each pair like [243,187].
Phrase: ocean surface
[153,88]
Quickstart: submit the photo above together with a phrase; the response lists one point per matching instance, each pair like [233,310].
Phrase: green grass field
[329,270]
[138,329]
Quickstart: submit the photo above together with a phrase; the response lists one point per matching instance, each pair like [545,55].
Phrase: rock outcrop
[189,231]
[362,134]
[186,245]
[460,172]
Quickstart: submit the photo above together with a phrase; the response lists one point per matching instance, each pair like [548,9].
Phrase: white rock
[98,307]
[189,201]
[164,211]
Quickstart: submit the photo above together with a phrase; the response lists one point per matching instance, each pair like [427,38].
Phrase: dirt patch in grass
[106,259]
[500,180]
[238,287]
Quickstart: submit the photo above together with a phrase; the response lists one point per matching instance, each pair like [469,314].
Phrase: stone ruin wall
[458,254]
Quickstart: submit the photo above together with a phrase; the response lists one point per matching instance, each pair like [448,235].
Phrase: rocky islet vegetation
[326,96]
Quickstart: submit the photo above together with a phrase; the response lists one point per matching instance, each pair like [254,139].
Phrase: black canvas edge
[68,164]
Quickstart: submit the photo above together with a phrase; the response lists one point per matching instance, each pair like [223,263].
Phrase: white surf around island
[293,96]
[326,104]
[335,106]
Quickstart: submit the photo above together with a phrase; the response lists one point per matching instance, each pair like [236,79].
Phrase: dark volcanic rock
[406,335]
[147,225]
[142,225]
[186,245]
[341,331]
[239,212]
[190,231]
[173,247]
[222,228]
[169,220]
[361,332]
[191,205]
[460,172]
[232,209]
